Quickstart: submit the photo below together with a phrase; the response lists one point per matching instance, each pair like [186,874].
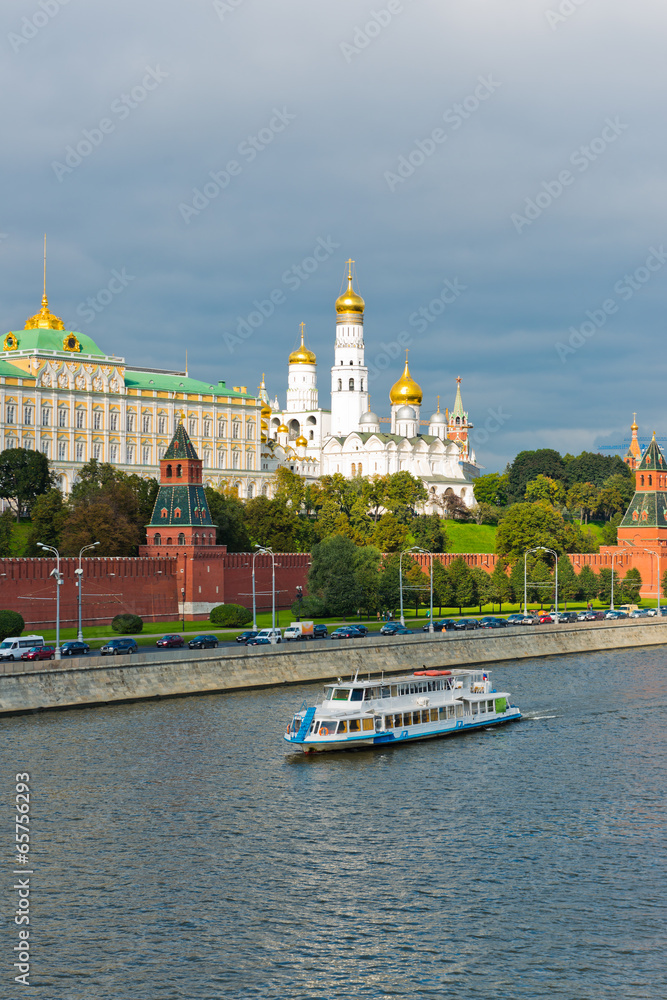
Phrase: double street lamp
[538,548]
[264,551]
[414,548]
[58,575]
[79,583]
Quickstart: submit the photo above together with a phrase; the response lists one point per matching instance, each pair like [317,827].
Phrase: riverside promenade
[34,687]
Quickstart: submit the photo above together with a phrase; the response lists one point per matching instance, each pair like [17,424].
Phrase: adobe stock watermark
[419,320]
[95,304]
[224,7]
[564,10]
[31,26]
[248,149]
[121,108]
[364,34]
[494,421]
[625,289]
[454,118]
[582,158]
[292,279]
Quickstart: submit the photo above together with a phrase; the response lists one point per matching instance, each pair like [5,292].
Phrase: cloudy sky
[496,170]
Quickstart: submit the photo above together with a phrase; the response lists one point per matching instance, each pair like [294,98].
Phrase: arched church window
[164,512]
[157,540]
[340,383]
[179,470]
[177,512]
[351,385]
[362,385]
[641,480]
[650,480]
[458,420]
[351,362]
[181,539]
[354,469]
[168,472]
[360,470]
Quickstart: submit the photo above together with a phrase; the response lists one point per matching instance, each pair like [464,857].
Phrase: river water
[181,851]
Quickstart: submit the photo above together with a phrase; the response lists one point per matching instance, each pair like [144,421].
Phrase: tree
[592,467]
[290,488]
[24,475]
[541,583]
[526,525]
[483,586]
[501,588]
[491,489]
[455,508]
[271,523]
[546,490]
[611,501]
[11,623]
[367,561]
[389,535]
[584,498]
[403,494]
[443,592]
[589,583]
[568,582]
[484,513]
[228,516]
[6,526]
[389,582]
[332,575]
[416,584]
[625,485]
[631,586]
[609,532]
[427,532]
[145,490]
[528,465]
[604,586]
[102,507]
[463,584]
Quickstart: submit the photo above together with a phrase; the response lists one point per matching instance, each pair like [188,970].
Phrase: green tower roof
[653,459]
[181,446]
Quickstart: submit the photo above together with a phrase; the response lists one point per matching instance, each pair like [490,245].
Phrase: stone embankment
[98,680]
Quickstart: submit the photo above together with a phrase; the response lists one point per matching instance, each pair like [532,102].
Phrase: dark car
[389,628]
[247,635]
[466,623]
[400,630]
[39,653]
[204,642]
[259,640]
[567,617]
[360,628]
[320,631]
[438,626]
[346,632]
[115,647]
[491,622]
[170,641]
[74,648]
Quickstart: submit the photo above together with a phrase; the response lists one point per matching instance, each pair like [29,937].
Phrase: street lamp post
[264,550]
[79,583]
[657,556]
[56,572]
[538,548]
[183,606]
[413,548]
[612,576]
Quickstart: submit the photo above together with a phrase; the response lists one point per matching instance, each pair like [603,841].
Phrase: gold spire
[350,301]
[44,319]
[634,426]
[302,356]
[406,389]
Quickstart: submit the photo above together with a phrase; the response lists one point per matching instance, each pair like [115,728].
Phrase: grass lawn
[470,537]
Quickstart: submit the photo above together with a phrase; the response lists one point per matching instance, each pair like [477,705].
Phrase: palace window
[130,454]
[222,428]
[46,449]
[192,427]
[130,422]
[351,385]
[97,452]
[27,444]
[46,416]
[97,420]
[113,453]
[207,458]
[251,491]
[27,416]
[236,429]
[11,410]
[222,459]
[146,423]
[340,383]
[62,417]
[80,451]
[113,421]
[181,539]
[162,425]
[235,460]
[80,419]
[146,455]
[207,428]
[250,430]
[62,451]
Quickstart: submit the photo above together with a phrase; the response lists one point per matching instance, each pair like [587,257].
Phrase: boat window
[357,694]
[389,722]
[341,694]
[394,691]
[367,724]
[328,727]
[371,694]
[442,712]
[407,719]
[385,692]
[355,725]
[434,715]
[425,715]
[459,711]
[328,694]
[342,726]
[416,718]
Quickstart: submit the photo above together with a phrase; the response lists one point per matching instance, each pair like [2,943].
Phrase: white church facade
[348,439]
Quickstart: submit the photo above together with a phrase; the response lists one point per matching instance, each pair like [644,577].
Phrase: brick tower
[181,528]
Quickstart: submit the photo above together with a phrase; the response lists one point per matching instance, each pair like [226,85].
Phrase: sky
[204,168]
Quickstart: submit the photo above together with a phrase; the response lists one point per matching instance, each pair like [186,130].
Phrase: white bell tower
[349,375]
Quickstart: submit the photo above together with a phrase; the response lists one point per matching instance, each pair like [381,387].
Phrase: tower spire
[44,302]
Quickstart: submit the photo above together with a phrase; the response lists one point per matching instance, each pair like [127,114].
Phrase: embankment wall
[99,681]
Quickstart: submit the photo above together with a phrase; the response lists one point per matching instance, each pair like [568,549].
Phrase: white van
[272,634]
[298,630]
[12,647]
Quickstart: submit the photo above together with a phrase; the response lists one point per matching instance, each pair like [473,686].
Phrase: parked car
[389,628]
[361,628]
[651,612]
[515,619]
[615,615]
[567,617]
[203,642]
[170,641]
[115,647]
[259,640]
[528,619]
[272,634]
[400,630]
[320,631]
[641,613]
[39,653]
[548,619]
[346,632]
[491,622]
[438,626]
[74,648]
[463,624]
[246,636]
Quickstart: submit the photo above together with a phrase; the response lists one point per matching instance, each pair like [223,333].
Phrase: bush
[127,624]
[11,623]
[230,615]
[309,607]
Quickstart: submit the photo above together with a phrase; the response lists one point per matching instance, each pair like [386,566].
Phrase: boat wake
[537,718]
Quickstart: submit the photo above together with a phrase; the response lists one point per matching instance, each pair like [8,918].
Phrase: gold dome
[282,429]
[349,301]
[44,319]
[406,390]
[302,356]
[301,442]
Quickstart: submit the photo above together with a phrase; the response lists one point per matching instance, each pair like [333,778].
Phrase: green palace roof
[179,383]
[11,371]
[38,339]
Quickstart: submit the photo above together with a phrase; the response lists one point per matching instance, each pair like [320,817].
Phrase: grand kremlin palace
[61,395]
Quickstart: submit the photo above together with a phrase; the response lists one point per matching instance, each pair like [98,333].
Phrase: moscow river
[180,851]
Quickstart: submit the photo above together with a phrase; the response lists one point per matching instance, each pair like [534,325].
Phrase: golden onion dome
[406,390]
[350,301]
[302,356]
[301,442]
[282,429]
[265,411]
[44,319]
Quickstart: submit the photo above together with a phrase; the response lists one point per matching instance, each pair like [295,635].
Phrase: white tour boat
[381,711]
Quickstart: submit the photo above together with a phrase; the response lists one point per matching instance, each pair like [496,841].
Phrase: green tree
[631,586]
[145,490]
[609,531]
[491,489]
[528,465]
[589,583]
[592,467]
[568,582]
[271,523]
[611,501]
[583,498]
[416,584]
[625,485]
[501,588]
[49,514]
[527,525]
[389,583]
[546,490]
[604,586]
[367,562]
[102,507]
[541,585]
[463,584]
[24,475]
[403,495]
[483,586]
[427,532]
[389,534]
[443,592]
[484,513]
[289,488]
[228,516]
[332,575]
[11,623]
[6,528]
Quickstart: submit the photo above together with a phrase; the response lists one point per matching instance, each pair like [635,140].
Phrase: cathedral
[348,438]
